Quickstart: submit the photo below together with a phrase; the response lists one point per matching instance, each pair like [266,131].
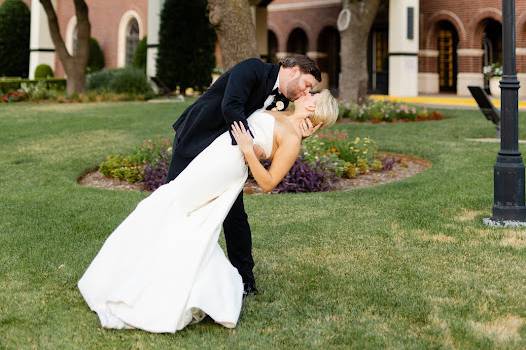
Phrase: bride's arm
[284,157]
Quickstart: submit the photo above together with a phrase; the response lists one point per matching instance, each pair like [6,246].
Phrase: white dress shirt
[270,98]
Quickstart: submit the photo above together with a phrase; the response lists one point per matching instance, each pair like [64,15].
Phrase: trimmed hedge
[7,85]
[43,71]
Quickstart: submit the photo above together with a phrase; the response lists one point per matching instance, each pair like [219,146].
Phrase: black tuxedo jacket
[234,96]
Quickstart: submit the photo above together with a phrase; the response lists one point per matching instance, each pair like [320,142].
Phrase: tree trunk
[232,20]
[74,63]
[353,84]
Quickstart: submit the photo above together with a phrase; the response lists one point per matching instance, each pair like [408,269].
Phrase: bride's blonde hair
[326,111]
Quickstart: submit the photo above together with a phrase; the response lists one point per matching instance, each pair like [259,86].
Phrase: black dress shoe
[249,288]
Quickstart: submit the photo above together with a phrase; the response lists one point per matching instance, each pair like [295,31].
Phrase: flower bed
[123,84]
[325,159]
[386,111]
[39,93]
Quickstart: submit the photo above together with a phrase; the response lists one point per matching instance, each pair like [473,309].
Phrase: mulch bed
[394,121]
[405,166]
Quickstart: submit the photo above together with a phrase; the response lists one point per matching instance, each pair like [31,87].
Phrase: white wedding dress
[162,267]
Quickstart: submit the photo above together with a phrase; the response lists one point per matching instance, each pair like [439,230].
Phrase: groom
[248,86]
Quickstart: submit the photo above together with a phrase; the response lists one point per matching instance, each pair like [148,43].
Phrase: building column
[403,47]
[260,14]
[42,50]
[154,24]
[427,76]
[470,70]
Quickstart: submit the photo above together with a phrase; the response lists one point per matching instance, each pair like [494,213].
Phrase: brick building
[452,40]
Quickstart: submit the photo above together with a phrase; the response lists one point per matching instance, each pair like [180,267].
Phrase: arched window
[132,40]
[131,29]
[297,42]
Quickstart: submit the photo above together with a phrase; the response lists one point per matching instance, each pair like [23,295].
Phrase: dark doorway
[447,42]
[378,61]
[329,62]
[297,42]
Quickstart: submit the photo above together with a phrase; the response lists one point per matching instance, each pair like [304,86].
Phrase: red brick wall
[105,17]
[311,20]
[467,17]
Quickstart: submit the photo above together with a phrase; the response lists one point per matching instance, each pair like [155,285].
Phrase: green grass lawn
[407,265]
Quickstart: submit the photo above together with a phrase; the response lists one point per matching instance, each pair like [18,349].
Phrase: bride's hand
[307,129]
[242,137]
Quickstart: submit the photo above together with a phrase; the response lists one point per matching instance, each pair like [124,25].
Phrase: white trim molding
[303,5]
[281,54]
[315,54]
[470,52]
[123,26]
[428,53]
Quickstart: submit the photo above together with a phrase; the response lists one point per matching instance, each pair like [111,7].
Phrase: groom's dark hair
[305,64]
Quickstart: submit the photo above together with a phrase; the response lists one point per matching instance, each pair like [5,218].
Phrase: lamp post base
[505,223]
[509,202]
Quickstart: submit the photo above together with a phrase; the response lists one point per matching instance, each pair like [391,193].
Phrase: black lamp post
[509,169]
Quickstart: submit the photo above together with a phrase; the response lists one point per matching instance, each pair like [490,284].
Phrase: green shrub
[43,71]
[15,23]
[131,167]
[122,80]
[96,57]
[122,168]
[99,81]
[333,151]
[139,57]
[130,80]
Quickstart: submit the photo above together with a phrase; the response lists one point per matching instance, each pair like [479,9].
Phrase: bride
[162,268]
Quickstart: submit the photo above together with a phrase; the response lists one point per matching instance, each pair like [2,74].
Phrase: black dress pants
[236,228]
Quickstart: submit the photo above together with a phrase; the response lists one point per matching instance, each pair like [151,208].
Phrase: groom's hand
[307,129]
[260,153]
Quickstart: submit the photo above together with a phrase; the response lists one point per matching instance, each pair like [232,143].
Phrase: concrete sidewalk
[442,101]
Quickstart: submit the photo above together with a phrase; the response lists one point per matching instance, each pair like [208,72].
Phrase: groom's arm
[243,77]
